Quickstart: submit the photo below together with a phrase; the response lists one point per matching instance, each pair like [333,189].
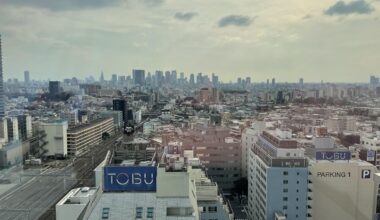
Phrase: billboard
[333,155]
[130,178]
[370,155]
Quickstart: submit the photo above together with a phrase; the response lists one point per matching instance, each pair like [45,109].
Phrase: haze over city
[334,41]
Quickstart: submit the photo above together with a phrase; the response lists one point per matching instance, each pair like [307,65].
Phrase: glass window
[212,209]
[139,211]
[150,212]
[105,213]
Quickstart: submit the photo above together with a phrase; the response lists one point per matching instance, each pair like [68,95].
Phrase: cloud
[354,7]
[185,16]
[153,3]
[235,20]
[62,5]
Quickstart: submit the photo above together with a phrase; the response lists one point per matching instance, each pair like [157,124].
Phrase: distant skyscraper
[374,81]
[54,87]
[199,78]
[114,79]
[273,82]
[301,82]
[174,77]
[215,79]
[167,76]
[2,107]
[26,76]
[139,77]
[192,79]
[101,77]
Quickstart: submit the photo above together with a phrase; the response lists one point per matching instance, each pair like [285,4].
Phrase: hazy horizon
[334,41]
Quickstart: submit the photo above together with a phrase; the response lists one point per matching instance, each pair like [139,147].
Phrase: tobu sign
[333,155]
[128,178]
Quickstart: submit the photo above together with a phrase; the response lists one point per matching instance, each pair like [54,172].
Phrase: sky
[334,41]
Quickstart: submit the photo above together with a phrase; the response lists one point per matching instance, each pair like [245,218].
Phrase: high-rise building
[173,77]
[2,107]
[13,132]
[24,126]
[374,81]
[26,76]
[101,77]
[199,78]
[114,79]
[121,105]
[301,82]
[273,82]
[215,79]
[54,87]
[277,178]
[139,77]
[248,81]
[167,76]
[192,79]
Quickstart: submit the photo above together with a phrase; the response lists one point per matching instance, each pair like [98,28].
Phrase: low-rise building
[79,138]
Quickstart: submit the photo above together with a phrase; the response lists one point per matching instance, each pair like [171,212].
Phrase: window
[285,190]
[106,213]
[212,209]
[150,211]
[285,173]
[284,198]
[139,211]
[285,181]
[284,207]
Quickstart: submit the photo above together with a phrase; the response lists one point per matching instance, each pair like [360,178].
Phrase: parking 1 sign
[129,178]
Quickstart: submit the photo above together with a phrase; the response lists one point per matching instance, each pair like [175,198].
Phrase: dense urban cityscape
[189,110]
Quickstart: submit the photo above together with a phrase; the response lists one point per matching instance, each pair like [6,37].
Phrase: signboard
[370,155]
[366,174]
[333,155]
[130,178]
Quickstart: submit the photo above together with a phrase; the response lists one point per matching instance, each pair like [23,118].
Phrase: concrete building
[25,126]
[3,131]
[277,183]
[55,88]
[11,154]
[56,138]
[139,77]
[79,138]
[175,189]
[121,105]
[2,103]
[248,139]
[12,127]
[71,117]
[26,77]
[341,189]
[116,115]
[341,123]
[219,152]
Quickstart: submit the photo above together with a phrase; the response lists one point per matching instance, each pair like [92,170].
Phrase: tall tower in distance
[2,107]
[26,77]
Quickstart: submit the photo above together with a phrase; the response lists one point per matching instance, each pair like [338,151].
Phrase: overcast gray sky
[318,40]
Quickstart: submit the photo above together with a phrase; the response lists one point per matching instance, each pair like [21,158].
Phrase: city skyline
[312,40]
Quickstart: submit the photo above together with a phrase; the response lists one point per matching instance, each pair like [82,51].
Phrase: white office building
[175,190]
[56,137]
